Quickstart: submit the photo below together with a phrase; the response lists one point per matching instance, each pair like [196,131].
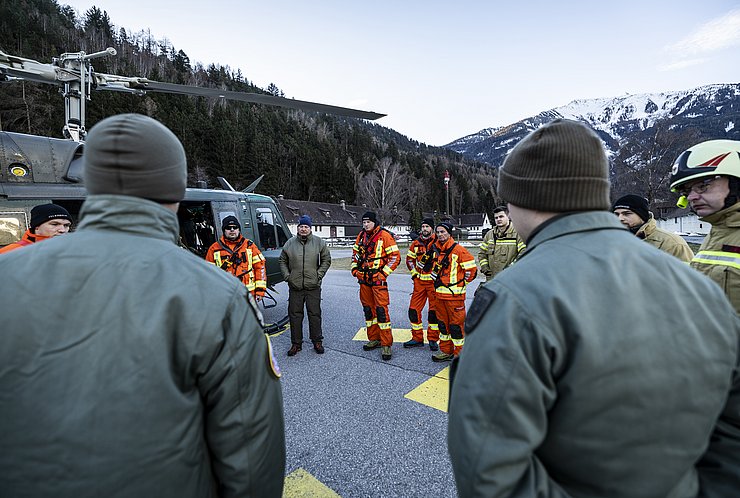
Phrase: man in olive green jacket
[304,262]
[595,366]
[130,367]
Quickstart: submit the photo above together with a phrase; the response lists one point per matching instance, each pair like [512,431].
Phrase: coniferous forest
[303,155]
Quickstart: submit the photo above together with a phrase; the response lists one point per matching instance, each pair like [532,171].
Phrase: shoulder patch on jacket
[483,299]
[271,360]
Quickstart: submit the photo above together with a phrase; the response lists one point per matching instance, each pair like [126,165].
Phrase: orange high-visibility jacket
[420,258]
[453,268]
[28,239]
[243,259]
[374,256]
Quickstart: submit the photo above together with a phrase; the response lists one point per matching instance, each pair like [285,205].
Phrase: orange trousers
[451,317]
[375,301]
[423,292]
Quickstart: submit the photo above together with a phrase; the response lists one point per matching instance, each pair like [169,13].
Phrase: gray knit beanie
[132,154]
[559,167]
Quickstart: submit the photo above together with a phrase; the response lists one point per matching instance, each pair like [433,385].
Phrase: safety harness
[366,247]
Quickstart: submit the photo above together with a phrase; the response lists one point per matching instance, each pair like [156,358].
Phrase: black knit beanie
[370,216]
[47,212]
[634,203]
[230,221]
[559,167]
[428,221]
[446,225]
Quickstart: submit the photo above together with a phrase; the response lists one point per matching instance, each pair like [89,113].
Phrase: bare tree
[385,187]
[643,164]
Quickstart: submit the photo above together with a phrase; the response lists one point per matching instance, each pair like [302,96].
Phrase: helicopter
[37,170]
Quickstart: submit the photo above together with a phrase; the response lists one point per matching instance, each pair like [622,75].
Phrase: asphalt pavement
[350,430]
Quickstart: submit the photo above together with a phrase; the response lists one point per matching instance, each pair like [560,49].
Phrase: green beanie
[559,167]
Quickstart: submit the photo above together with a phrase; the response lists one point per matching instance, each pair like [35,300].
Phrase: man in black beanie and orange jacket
[47,221]
[374,256]
[594,366]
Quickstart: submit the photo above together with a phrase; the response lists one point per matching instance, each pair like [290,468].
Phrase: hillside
[303,155]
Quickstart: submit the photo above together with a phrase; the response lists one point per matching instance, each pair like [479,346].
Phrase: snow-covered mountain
[711,111]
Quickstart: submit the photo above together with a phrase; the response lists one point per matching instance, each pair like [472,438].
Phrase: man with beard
[304,261]
[239,256]
[454,268]
[419,261]
[374,256]
[634,213]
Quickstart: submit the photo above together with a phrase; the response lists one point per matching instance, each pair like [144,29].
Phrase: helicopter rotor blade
[255,98]
[70,69]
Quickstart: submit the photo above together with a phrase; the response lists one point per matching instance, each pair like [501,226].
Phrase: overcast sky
[443,70]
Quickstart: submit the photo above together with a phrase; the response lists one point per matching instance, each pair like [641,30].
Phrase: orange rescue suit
[374,256]
[419,261]
[243,259]
[454,267]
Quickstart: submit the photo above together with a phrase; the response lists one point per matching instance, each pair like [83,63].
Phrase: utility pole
[447,192]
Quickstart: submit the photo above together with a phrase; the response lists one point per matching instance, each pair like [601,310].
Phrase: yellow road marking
[433,392]
[399,335]
[301,484]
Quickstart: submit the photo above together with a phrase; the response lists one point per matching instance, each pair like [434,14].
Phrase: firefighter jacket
[304,263]
[374,256]
[28,239]
[498,250]
[420,258]
[596,366]
[141,372]
[665,241]
[243,259]
[719,254]
[454,267]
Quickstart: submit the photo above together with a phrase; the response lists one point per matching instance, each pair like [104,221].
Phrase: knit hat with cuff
[559,167]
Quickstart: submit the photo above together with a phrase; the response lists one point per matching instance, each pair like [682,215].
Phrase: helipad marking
[433,392]
[399,335]
[301,484]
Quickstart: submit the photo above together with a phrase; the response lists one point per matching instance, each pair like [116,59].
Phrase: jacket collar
[729,217]
[570,223]
[127,214]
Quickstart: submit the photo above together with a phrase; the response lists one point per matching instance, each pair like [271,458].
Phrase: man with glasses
[239,256]
[707,177]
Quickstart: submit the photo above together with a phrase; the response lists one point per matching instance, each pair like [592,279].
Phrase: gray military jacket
[597,366]
[304,264]
[129,367]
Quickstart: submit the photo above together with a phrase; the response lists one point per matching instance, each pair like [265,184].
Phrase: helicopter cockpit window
[197,232]
[271,234]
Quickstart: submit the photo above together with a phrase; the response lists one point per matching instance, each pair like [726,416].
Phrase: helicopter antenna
[225,184]
[253,185]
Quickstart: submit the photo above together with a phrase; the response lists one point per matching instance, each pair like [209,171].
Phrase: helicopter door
[272,233]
